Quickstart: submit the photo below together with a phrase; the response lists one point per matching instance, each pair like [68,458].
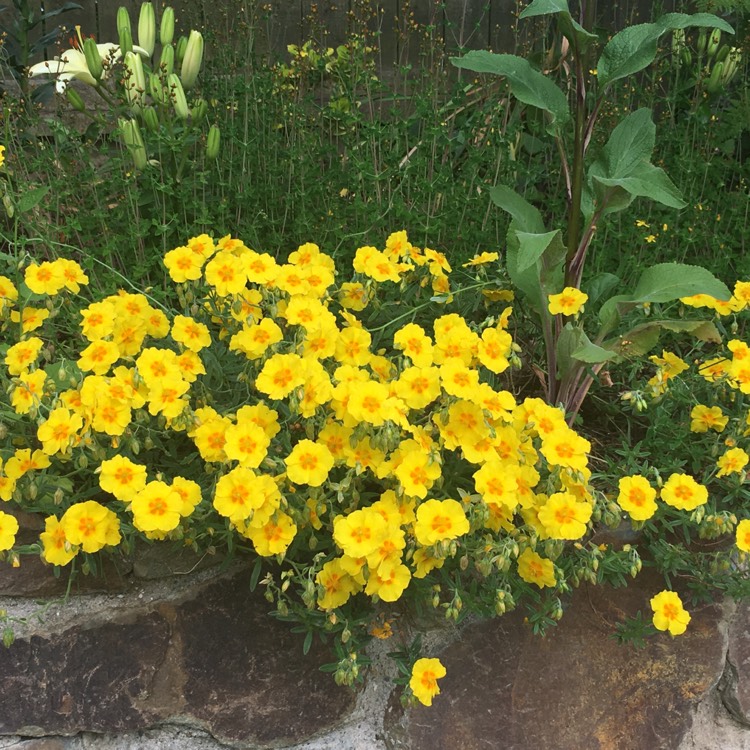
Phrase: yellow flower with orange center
[28,392]
[44,278]
[438,520]
[732,462]
[190,333]
[564,517]
[98,357]
[90,526]
[360,533]
[8,530]
[122,477]
[281,374]
[533,568]
[309,463]
[59,431]
[184,264]
[22,355]
[705,418]
[247,443]
[156,508]
[423,680]
[681,491]
[568,302]
[637,497]
[274,537]
[56,549]
[669,613]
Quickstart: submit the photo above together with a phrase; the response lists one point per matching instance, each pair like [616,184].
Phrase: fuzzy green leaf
[665,282]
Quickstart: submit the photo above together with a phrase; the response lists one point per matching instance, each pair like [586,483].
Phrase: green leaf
[568,25]
[592,353]
[532,247]
[526,216]
[527,84]
[646,181]
[643,338]
[255,575]
[31,198]
[634,48]
[630,143]
[308,642]
[573,345]
[665,282]
[602,285]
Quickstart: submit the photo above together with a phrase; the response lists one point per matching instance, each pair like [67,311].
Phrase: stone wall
[165,655]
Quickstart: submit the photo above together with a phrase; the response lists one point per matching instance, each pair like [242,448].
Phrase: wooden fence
[268,27]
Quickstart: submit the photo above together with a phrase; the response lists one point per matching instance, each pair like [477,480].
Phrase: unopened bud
[166,30]
[213,142]
[74,99]
[179,51]
[93,61]
[166,60]
[126,41]
[177,95]
[123,19]
[133,141]
[136,81]
[147,28]
[151,119]
[713,43]
[199,110]
[191,63]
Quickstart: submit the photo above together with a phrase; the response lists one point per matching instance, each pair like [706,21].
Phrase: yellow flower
[438,520]
[46,278]
[568,302]
[22,355]
[389,581]
[57,550]
[732,462]
[705,418]
[335,585]
[59,431]
[274,537]
[360,533]
[253,341]
[353,346]
[564,517]
[459,380]
[156,508]
[184,264]
[742,535]
[23,461]
[226,274]
[418,386]
[8,293]
[164,397]
[669,613]
[30,319]
[98,320]
[236,495]
[98,357]
[122,478]
[497,483]
[417,473]
[247,443]
[8,530]
[91,526]
[481,259]
[2,155]
[650,238]
[281,374]
[494,348]
[415,343]
[309,463]
[72,274]
[683,492]
[637,497]
[563,447]
[28,392]
[354,296]
[191,334]
[533,568]
[424,677]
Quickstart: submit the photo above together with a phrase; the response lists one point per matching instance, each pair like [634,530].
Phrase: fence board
[467,25]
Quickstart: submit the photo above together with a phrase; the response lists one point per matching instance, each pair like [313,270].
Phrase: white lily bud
[133,140]
[136,82]
[177,94]
[191,63]
[147,28]
[166,30]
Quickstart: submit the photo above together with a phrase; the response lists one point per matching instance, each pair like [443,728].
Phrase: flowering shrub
[256,411]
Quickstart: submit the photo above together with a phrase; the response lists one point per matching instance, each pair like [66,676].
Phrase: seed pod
[93,60]
[166,30]
[147,28]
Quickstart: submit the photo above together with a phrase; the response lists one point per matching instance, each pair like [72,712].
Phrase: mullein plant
[151,84]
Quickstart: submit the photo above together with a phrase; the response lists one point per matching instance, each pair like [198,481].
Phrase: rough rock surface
[576,688]
[735,687]
[216,660]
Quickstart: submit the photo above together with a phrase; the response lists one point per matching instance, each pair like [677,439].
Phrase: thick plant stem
[574,210]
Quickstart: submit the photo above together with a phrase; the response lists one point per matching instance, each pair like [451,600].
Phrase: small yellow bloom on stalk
[360,533]
[415,343]
[533,568]
[637,497]
[564,517]
[156,508]
[2,155]
[494,348]
[681,491]
[669,613]
[732,462]
[336,585]
[481,259]
[424,677]
[8,293]
[122,478]
[57,550]
[438,520]
[8,530]
[59,431]
[22,355]
[564,447]
[247,443]
[274,537]
[184,264]
[568,302]
[46,278]
[24,461]
[281,374]
[30,318]
[742,535]
[191,334]
[91,526]
[389,581]
[98,357]
[417,473]
[705,418]
[28,392]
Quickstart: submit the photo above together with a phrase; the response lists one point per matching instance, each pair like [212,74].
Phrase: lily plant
[545,262]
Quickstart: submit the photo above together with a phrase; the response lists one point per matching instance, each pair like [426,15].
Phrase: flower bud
[166,60]
[166,30]
[93,60]
[75,100]
[199,110]
[177,94]
[714,81]
[126,41]
[213,142]
[123,19]
[136,81]
[713,43]
[151,119]
[158,94]
[723,53]
[700,45]
[147,28]
[133,140]
[179,52]
[191,63]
